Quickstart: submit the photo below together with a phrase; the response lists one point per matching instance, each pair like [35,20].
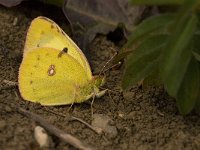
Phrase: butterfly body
[51,76]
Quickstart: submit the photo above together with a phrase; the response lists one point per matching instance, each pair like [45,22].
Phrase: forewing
[44,32]
[50,80]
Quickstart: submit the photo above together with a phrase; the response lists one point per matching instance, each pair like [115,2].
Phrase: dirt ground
[137,119]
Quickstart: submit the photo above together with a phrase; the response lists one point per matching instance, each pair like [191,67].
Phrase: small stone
[103,122]
[41,137]
[120,114]
[15,21]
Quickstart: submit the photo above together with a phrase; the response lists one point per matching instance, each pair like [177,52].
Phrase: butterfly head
[99,80]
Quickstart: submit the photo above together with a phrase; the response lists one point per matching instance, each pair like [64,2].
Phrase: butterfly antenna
[118,64]
[102,70]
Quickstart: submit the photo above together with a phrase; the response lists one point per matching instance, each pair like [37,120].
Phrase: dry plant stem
[52,129]
[11,83]
[95,129]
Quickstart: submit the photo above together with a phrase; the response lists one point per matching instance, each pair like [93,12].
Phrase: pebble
[120,114]
[15,21]
[41,137]
[103,122]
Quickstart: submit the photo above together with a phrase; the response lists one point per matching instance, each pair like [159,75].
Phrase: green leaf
[196,46]
[197,105]
[176,55]
[196,55]
[143,60]
[121,56]
[189,90]
[147,26]
[153,79]
[156,2]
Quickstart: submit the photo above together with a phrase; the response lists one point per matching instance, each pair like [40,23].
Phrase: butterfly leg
[70,107]
[92,111]
[72,102]
[101,93]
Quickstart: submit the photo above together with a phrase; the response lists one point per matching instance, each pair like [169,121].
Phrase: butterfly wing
[44,32]
[51,80]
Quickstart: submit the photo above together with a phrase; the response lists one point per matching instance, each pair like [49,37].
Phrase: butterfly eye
[51,71]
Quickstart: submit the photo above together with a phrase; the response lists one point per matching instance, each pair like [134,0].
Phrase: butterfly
[54,71]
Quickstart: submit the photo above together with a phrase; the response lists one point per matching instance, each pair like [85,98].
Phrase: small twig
[54,130]
[160,113]
[10,85]
[17,96]
[95,129]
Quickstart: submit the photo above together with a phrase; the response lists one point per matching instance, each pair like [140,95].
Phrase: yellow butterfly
[54,71]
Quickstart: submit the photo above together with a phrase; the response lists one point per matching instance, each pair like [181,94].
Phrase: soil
[132,119]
